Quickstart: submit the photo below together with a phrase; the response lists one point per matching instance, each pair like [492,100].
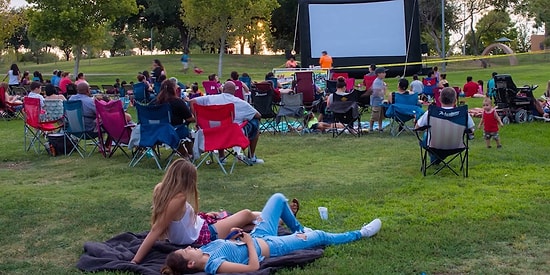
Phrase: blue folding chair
[75,129]
[153,130]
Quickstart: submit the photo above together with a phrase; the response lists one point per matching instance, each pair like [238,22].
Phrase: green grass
[494,222]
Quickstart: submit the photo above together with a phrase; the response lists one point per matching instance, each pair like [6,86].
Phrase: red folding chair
[350,84]
[34,128]
[306,86]
[336,75]
[239,89]
[219,132]
[113,130]
[9,110]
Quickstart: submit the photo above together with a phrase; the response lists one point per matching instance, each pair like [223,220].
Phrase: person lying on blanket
[175,204]
[243,252]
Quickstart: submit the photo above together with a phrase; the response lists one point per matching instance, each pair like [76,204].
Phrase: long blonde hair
[181,177]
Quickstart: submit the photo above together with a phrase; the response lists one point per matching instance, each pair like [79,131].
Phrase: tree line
[88,27]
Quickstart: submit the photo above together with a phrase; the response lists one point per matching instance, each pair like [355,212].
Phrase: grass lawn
[494,222]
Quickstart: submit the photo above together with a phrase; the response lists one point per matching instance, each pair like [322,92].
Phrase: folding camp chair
[113,131]
[53,109]
[34,129]
[262,100]
[19,91]
[403,113]
[330,87]
[153,130]
[346,112]
[141,95]
[291,113]
[9,110]
[364,99]
[335,75]
[218,132]
[75,129]
[446,137]
[429,85]
[306,86]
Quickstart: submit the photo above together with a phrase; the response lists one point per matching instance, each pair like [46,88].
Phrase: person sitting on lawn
[243,252]
[175,212]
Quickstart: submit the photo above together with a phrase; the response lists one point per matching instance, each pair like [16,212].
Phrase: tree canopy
[215,21]
[75,23]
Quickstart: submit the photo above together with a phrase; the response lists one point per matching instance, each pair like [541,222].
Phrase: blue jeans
[277,207]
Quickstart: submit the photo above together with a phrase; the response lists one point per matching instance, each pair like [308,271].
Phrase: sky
[17,3]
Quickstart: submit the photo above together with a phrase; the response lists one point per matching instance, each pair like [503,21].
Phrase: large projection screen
[359,33]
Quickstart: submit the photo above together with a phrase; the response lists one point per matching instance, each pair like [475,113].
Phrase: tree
[215,21]
[430,22]
[19,37]
[283,24]
[9,20]
[494,25]
[75,25]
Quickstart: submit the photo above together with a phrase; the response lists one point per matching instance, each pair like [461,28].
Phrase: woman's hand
[246,238]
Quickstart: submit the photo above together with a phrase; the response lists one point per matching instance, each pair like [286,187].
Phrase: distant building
[537,42]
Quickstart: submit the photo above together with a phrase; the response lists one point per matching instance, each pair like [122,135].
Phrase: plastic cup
[323,212]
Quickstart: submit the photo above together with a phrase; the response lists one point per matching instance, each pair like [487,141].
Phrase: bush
[42,58]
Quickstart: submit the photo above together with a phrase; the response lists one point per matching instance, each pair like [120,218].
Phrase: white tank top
[184,231]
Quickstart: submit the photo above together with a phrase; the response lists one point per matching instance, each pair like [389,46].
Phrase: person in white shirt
[416,85]
[35,92]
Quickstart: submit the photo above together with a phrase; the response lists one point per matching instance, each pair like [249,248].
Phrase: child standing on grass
[490,122]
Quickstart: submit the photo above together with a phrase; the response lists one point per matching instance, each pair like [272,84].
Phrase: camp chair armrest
[423,128]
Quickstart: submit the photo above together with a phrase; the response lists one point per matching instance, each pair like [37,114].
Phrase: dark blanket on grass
[116,254]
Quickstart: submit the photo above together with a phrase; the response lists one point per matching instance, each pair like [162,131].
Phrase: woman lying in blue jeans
[244,252]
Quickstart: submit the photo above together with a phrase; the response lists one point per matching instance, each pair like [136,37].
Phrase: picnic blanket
[116,253]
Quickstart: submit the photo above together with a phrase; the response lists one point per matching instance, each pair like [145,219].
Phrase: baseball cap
[380,70]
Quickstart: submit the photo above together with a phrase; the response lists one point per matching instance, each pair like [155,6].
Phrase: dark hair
[161,78]
[435,69]
[212,77]
[234,75]
[175,264]
[195,87]
[158,63]
[140,77]
[167,92]
[39,75]
[50,90]
[494,73]
[443,76]
[372,67]
[324,52]
[245,75]
[469,78]
[35,84]
[269,75]
[14,69]
[59,73]
[447,96]
[79,75]
[340,82]
[430,74]
[403,83]
[415,77]
[480,82]
[146,74]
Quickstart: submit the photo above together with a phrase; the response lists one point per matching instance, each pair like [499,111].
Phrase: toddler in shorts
[490,122]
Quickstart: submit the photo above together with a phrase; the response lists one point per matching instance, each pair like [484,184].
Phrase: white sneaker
[307,229]
[256,160]
[369,230]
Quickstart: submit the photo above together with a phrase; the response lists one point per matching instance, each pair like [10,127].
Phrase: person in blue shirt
[185,61]
[243,252]
[491,91]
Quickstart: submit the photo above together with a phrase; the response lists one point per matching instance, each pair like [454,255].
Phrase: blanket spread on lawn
[115,255]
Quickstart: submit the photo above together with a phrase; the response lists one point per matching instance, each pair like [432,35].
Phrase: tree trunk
[474,38]
[222,50]
[77,56]
[242,40]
